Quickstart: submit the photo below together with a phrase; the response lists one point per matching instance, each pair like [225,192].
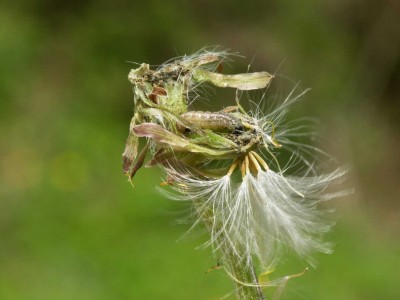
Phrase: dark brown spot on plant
[157,91]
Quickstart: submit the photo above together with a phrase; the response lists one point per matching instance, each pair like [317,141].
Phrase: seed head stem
[242,272]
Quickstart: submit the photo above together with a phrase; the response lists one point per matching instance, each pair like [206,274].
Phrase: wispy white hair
[262,215]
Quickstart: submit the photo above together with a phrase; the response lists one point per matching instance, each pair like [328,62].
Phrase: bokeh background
[72,227]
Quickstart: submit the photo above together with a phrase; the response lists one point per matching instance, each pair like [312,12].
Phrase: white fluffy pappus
[261,215]
[268,210]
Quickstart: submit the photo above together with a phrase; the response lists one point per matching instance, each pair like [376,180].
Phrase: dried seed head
[264,211]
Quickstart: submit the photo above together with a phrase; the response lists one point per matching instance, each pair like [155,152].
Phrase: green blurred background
[72,227]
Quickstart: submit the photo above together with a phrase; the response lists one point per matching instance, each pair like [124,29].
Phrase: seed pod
[217,122]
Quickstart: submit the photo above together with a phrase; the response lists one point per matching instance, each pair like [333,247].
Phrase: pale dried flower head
[266,211]
[231,165]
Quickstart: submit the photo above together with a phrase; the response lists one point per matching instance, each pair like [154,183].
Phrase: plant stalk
[241,271]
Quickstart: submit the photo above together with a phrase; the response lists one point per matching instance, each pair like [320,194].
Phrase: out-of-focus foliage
[70,224]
